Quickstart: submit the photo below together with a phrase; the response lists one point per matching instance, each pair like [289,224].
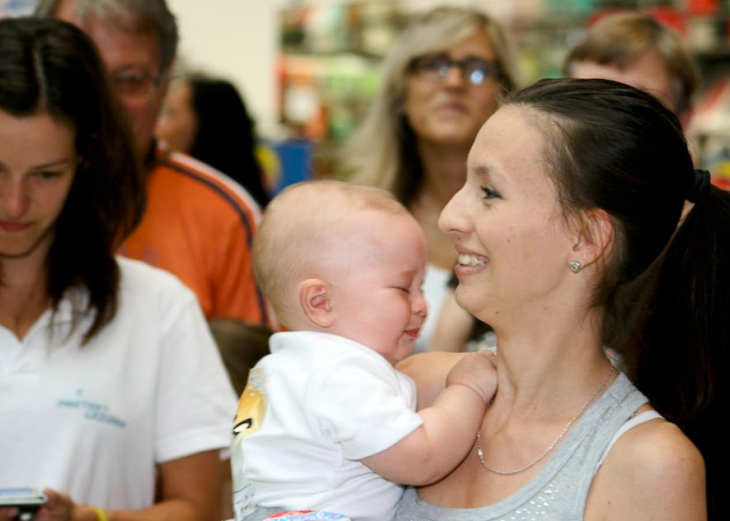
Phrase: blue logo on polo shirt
[92,411]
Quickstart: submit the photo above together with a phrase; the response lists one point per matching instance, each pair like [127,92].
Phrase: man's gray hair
[138,16]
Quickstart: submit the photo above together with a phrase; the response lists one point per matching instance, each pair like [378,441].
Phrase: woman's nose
[452,219]
[455,76]
[14,199]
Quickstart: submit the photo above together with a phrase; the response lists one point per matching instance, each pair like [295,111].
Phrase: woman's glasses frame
[436,68]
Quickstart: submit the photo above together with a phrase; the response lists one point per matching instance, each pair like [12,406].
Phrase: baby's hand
[476,371]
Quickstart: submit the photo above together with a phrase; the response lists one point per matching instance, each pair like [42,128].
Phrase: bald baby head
[312,229]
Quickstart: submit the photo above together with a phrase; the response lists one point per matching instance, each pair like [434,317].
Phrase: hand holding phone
[20,503]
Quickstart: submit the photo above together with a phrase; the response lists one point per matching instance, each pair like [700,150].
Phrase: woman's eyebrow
[52,164]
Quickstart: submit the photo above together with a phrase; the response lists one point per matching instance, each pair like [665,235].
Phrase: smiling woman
[569,237]
[77,325]
[510,227]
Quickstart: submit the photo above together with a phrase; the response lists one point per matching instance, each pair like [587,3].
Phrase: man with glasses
[198,224]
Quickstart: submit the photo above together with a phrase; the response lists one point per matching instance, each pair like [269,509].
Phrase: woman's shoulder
[432,364]
[654,465]
[141,281]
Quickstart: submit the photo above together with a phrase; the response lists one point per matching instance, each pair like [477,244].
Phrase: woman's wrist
[89,513]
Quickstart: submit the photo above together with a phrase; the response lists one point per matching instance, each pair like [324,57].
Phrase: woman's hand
[59,507]
[8,513]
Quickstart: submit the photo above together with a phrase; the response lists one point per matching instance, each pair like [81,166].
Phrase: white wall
[239,39]
[236,39]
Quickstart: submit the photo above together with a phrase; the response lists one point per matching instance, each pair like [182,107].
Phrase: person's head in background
[334,257]
[636,49]
[241,346]
[72,187]
[207,119]
[137,40]
[441,81]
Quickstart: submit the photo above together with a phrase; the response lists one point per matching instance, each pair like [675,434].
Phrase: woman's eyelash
[489,192]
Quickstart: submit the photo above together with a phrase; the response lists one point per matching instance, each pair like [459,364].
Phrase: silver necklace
[550,447]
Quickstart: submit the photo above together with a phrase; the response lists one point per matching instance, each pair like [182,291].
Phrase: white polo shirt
[93,421]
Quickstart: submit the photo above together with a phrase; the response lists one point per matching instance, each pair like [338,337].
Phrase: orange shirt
[199,225]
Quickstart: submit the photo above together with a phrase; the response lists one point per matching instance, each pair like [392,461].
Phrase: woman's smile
[469,262]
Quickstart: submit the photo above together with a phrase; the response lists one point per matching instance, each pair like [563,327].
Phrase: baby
[326,422]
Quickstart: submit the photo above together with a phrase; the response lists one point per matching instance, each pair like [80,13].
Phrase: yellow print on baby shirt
[249,417]
[251,407]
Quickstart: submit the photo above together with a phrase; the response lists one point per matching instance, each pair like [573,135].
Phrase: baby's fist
[477,371]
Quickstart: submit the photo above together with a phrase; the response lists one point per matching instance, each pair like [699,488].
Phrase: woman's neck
[23,293]
[551,368]
[444,173]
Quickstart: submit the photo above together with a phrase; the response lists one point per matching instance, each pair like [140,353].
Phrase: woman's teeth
[471,260]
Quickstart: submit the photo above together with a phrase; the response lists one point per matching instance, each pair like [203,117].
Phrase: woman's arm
[189,490]
[429,371]
[652,473]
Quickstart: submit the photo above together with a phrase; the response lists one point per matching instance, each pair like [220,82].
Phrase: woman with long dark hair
[114,400]
[207,119]
[571,236]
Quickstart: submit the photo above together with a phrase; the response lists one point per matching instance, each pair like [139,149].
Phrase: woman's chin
[467,299]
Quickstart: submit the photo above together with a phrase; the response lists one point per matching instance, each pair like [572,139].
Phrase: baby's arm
[449,426]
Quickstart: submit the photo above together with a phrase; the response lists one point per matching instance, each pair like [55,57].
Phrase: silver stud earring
[574,266]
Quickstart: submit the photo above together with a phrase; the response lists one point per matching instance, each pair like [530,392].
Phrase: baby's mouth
[413,333]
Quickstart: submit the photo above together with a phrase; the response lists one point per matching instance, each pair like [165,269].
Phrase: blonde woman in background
[442,81]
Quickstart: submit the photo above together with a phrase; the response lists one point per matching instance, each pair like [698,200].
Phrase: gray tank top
[560,490]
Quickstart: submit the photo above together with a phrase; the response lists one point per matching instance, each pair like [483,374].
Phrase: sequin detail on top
[560,489]
[537,508]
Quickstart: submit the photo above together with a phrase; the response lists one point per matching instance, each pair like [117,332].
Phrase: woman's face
[37,167]
[451,110]
[513,243]
[178,123]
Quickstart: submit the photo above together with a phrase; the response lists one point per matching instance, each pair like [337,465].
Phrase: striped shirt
[199,225]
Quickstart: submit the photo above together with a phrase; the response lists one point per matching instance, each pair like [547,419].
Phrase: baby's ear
[315,299]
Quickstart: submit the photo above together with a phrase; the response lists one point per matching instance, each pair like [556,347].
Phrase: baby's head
[344,259]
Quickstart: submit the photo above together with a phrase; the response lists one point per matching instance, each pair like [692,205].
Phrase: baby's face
[377,283]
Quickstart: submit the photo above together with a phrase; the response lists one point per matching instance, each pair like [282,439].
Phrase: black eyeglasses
[437,67]
[134,83]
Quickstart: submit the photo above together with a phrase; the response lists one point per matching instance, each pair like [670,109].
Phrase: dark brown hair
[225,138]
[48,66]
[665,284]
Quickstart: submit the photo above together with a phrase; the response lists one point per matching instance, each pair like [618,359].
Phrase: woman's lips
[453,107]
[13,227]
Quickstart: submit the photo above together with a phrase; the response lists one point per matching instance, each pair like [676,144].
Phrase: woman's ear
[594,237]
[315,298]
